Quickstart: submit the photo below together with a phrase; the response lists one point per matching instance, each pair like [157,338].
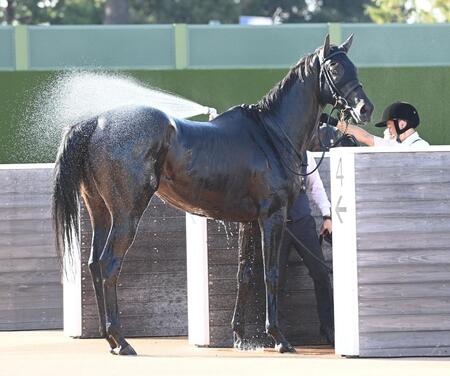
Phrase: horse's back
[230,130]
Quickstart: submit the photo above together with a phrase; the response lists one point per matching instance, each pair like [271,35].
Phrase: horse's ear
[346,45]
[326,46]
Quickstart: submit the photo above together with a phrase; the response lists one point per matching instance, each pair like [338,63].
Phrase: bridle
[339,95]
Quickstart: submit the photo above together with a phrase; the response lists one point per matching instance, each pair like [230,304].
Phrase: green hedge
[426,87]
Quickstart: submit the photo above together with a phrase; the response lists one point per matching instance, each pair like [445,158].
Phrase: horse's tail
[69,173]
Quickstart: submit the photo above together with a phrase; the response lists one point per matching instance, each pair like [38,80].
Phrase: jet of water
[70,97]
[86,94]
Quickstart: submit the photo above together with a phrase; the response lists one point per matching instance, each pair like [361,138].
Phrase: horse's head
[339,84]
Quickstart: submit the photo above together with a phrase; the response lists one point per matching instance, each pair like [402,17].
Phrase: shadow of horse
[243,166]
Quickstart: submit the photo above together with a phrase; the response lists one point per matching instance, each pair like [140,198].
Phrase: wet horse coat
[240,167]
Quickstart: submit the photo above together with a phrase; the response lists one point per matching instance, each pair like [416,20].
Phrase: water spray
[70,97]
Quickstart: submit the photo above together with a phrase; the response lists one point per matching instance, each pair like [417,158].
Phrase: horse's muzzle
[362,112]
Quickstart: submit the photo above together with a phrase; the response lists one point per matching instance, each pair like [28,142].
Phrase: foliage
[188,11]
[228,11]
[439,11]
[182,11]
[59,11]
[387,11]
[338,11]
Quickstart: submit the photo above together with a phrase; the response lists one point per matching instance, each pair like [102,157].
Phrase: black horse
[241,166]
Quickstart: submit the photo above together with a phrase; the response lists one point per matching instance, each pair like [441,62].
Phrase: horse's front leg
[272,229]
[248,235]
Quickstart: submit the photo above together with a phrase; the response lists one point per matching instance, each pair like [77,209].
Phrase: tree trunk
[116,12]
[10,11]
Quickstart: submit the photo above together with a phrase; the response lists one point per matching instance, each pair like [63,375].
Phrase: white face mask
[387,135]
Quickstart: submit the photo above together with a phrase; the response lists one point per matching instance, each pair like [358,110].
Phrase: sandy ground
[50,353]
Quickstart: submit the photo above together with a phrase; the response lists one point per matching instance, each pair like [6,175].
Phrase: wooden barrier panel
[298,316]
[30,283]
[391,251]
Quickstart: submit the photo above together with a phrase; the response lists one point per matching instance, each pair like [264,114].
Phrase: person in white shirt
[302,225]
[401,120]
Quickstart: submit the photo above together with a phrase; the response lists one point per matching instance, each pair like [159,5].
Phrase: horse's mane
[301,70]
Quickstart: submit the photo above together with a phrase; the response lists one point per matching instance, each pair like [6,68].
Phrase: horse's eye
[334,68]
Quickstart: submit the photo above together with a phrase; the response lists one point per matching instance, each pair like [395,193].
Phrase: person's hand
[327,225]
[342,126]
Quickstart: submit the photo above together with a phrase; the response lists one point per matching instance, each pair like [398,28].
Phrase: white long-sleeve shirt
[315,188]
[413,140]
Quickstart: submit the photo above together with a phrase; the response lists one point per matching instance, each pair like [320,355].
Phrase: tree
[337,11]
[10,10]
[436,11]
[56,12]
[228,11]
[182,11]
[386,11]
[116,12]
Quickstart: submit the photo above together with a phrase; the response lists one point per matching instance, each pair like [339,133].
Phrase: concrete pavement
[50,353]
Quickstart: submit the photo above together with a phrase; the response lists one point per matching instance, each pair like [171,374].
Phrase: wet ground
[50,353]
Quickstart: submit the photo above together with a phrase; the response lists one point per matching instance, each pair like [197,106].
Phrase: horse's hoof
[127,350]
[285,348]
[112,343]
[238,344]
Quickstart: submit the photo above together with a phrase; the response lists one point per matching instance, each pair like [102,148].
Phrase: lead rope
[342,137]
[322,262]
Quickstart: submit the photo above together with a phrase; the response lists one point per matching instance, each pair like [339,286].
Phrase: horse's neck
[297,110]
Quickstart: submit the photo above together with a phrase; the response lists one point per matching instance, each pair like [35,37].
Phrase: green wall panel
[251,46]
[7,56]
[427,88]
[127,47]
[216,46]
[399,44]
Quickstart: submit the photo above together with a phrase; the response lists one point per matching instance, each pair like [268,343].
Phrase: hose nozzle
[211,112]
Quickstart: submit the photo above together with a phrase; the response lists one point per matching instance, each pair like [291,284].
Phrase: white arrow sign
[340,209]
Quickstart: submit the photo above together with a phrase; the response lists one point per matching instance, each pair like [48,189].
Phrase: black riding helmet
[400,111]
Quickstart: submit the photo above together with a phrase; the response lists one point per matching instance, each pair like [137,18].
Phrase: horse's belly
[212,204]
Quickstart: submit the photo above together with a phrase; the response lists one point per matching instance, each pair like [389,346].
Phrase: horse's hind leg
[101,224]
[126,210]
[248,238]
